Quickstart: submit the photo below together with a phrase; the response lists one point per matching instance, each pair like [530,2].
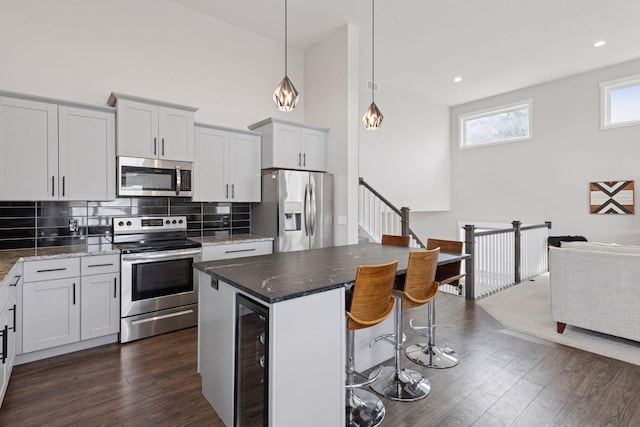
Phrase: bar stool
[371,304]
[390,239]
[396,382]
[428,354]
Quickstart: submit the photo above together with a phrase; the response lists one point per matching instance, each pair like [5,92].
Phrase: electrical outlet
[73,225]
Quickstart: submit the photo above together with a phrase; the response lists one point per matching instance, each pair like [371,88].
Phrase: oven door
[154,281]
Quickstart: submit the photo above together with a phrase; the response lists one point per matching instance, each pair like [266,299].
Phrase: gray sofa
[596,286]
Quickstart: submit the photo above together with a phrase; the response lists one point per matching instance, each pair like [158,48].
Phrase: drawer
[50,269]
[236,250]
[100,264]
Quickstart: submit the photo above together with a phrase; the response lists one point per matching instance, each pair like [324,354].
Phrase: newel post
[469,264]
[517,250]
[404,220]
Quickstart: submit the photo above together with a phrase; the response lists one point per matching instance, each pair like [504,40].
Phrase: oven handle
[145,256]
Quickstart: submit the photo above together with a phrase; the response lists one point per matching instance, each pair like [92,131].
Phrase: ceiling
[496,46]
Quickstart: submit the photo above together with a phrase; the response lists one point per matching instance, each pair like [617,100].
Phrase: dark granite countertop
[287,275]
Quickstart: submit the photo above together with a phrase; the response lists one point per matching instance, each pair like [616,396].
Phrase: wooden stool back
[420,285]
[390,239]
[448,274]
[372,300]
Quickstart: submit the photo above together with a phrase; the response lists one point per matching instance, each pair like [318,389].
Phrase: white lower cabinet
[236,250]
[9,325]
[8,342]
[51,313]
[100,305]
[64,310]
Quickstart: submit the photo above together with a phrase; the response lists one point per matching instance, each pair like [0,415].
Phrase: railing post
[548,224]
[469,264]
[404,220]
[517,249]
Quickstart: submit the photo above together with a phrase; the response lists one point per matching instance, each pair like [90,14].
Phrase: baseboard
[64,349]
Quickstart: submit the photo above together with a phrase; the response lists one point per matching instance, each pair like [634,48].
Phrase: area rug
[526,307]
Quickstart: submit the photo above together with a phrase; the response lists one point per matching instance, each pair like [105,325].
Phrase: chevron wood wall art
[611,197]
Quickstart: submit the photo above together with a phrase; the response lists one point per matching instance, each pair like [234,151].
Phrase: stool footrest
[420,330]
[390,338]
[364,380]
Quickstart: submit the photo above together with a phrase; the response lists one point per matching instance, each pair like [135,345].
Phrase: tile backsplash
[43,224]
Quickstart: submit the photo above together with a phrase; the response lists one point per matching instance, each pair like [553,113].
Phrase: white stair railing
[503,257]
[377,216]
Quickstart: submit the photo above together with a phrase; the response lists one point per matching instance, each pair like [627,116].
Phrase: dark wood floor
[503,379]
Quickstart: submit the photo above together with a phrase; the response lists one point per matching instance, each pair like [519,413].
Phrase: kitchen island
[304,342]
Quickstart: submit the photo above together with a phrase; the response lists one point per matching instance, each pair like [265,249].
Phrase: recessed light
[457,79]
[599,43]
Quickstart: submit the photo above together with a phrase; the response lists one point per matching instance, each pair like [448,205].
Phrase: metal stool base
[432,356]
[408,385]
[364,409]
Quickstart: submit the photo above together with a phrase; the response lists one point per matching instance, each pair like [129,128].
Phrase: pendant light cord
[285,38]
[373,75]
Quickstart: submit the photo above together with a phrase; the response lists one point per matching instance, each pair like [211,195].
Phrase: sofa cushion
[602,247]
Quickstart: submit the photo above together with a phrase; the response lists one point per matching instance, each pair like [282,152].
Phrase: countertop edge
[264,298]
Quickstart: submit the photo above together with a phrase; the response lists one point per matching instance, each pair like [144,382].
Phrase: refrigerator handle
[306,209]
[313,209]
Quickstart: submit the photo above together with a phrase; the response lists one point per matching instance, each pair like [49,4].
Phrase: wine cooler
[252,363]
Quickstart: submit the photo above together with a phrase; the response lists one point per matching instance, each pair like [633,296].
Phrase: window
[508,123]
[620,102]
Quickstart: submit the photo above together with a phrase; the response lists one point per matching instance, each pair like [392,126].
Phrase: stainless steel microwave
[154,177]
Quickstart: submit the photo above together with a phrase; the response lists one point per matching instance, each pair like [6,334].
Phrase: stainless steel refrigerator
[296,210]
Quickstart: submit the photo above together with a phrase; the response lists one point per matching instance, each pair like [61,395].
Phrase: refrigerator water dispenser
[292,216]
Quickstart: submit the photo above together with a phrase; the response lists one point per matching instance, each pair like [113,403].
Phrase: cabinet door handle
[304,159]
[115,288]
[5,332]
[299,159]
[16,282]
[74,294]
[163,146]
[63,186]
[47,270]
[227,192]
[13,328]
[100,265]
[53,186]
[155,146]
[233,191]
[240,250]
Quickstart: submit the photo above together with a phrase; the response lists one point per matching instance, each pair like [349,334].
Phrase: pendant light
[373,117]
[286,95]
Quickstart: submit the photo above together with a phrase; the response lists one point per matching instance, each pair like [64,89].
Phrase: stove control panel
[146,224]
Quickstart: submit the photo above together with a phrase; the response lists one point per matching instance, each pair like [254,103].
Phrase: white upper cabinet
[87,154]
[287,145]
[227,166]
[153,129]
[28,150]
[244,167]
[52,151]
[314,149]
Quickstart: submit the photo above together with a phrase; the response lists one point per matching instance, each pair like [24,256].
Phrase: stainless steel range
[159,289]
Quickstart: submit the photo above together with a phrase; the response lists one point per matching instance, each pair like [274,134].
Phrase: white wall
[331,96]
[408,159]
[81,50]
[547,178]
